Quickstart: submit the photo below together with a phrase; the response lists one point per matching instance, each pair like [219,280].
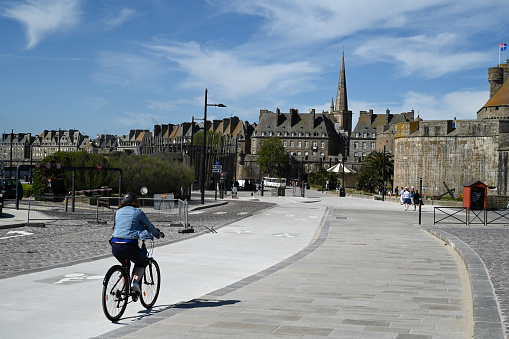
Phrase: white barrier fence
[102,209]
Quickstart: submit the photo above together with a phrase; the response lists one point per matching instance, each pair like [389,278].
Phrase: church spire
[341,100]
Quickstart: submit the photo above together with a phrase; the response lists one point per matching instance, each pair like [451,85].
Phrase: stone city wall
[454,152]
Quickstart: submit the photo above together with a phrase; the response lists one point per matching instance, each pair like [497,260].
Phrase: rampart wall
[454,152]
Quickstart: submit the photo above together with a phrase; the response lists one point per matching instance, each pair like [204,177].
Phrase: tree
[321,177]
[273,158]
[159,176]
[377,170]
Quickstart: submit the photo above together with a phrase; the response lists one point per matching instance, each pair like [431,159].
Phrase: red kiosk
[475,195]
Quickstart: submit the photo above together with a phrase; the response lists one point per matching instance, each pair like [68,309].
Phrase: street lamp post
[204,145]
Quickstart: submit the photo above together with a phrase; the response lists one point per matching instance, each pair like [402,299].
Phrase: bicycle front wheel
[115,292]
[151,282]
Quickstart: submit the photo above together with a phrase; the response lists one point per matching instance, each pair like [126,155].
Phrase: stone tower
[342,117]
[497,106]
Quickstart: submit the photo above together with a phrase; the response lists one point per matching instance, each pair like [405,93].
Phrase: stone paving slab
[364,277]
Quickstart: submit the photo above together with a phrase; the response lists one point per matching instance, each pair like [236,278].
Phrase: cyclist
[132,224]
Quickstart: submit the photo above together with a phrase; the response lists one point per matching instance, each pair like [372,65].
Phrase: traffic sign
[99,167]
[48,165]
[37,164]
[216,170]
[59,165]
[217,166]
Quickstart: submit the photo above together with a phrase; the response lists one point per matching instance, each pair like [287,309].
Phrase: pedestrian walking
[406,198]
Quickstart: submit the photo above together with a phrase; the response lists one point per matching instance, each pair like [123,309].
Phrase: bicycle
[117,287]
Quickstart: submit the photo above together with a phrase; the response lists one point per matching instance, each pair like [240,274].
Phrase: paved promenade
[322,266]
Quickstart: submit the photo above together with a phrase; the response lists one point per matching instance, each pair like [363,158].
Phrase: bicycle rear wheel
[115,292]
[151,282]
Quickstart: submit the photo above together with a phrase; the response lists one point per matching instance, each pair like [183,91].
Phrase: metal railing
[464,216]
[102,209]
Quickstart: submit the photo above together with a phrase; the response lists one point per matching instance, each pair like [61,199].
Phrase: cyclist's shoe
[136,287]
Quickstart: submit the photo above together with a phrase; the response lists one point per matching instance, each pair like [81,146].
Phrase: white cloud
[319,20]
[125,15]
[234,75]
[462,104]
[42,18]
[424,56]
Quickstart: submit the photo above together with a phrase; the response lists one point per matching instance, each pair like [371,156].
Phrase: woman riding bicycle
[132,224]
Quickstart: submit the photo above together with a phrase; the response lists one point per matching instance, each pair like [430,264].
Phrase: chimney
[387,114]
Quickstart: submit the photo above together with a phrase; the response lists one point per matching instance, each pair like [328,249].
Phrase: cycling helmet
[130,198]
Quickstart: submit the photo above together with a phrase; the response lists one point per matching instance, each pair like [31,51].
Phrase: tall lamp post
[204,145]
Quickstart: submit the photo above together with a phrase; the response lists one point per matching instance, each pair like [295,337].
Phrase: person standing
[417,200]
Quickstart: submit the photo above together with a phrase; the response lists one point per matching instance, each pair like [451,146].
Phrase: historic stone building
[456,152]
[370,128]
[50,142]
[15,148]
[312,139]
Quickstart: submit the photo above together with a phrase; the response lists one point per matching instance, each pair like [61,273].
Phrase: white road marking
[17,234]
[284,235]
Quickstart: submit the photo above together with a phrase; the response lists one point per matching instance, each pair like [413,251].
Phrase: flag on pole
[503,47]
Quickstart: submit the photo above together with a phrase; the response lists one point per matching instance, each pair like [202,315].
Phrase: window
[355,145]
[365,135]
[315,143]
[306,144]
[306,153]
[307,134]
[284,143]
[322,144]
[364,145]
[292,143]
[372,145]
[355,154]
[356,134]
[299,153]
[322,154]
[373,135]
[299,143]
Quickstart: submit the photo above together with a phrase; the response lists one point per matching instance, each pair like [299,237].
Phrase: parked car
[8,188]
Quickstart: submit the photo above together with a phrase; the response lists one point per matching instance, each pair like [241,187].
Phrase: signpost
[217,168]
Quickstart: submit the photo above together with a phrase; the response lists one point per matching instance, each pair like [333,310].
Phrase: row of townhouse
[25,148]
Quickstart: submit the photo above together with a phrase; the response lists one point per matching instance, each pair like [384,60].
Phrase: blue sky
[113,65]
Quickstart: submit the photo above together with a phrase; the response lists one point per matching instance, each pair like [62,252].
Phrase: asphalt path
[65,302]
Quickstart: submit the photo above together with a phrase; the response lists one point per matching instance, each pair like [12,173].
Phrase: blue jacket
[132,223]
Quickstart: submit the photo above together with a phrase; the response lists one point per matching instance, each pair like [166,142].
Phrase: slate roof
[314,124]
[501,98]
